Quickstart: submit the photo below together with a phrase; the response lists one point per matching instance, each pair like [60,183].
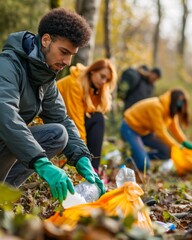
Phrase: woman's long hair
[179,105]
[105,93]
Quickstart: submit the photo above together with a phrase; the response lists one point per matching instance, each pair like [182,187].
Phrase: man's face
[57,51]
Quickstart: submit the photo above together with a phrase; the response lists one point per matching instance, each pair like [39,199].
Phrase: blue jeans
[159,150]
[52,137]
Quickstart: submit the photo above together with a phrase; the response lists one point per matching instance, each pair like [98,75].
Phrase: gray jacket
[28,89]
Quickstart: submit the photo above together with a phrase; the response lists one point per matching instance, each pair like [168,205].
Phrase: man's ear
[46,40]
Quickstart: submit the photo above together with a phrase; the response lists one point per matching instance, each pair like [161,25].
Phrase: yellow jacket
[72,94]
[152,115]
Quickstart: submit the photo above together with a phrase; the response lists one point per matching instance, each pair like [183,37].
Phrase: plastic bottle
[167,226]
[167,166]
[84,192]
[72,200]
[90,192]
[125,175]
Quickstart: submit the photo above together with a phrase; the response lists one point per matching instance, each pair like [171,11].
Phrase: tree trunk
[89,9]
[156,34]
[181,45]
[107,44]
[106,29]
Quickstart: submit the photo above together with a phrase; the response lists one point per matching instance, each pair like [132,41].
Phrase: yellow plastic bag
[182,158]
[124,200]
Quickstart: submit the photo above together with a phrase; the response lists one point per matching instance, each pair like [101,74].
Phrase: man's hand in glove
[85,169]
[56,178]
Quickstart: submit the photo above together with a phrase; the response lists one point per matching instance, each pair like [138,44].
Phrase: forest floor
[171,195]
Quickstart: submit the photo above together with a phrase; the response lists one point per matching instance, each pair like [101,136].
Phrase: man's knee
[61,135]
[6,161]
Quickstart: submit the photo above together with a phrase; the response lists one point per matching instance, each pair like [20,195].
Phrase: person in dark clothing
[137,84]
[29,65]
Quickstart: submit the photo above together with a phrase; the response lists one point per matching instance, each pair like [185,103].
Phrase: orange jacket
[72,94]
[152,115]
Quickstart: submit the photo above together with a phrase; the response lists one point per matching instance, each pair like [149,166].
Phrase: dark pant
[159,150]
[95,127]
[52,138]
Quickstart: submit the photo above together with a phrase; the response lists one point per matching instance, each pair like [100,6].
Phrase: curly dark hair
[60,22]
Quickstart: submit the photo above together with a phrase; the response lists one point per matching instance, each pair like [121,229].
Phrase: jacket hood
[14,42]
[38,70]
[165,100]
[76,70]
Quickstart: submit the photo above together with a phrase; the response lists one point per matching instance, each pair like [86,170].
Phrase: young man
[29,65]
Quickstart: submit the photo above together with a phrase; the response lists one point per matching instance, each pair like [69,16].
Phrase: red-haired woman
[87,93]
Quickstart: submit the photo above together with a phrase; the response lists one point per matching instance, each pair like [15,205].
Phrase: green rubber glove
[85,169]
[187,144]
[56,178]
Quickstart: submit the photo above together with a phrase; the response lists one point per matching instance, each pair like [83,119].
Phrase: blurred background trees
[123,30]
[90,11]
[131,32]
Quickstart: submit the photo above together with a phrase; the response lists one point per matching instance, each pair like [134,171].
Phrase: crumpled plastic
[182,158]
[118,202]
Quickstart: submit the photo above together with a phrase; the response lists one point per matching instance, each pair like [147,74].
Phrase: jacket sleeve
[160,128]
[14,132]
[176,130]
[73,98]
[54,111]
